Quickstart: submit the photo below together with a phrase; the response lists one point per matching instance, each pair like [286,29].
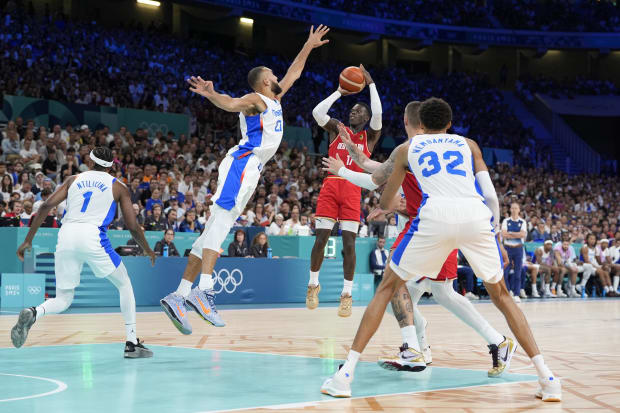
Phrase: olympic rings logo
[153,128]
[34,290]
[228,280]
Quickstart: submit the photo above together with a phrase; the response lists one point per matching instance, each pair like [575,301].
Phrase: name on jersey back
[427,142]
[91,184]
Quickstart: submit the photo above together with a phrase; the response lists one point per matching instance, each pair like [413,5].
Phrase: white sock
[130,330]
[40,312]
[616,282]
[572,288]
[541,368]
[185,287]
[206,282]
[410,337]
[348,368]
[347,288]
[534,288]
[314,278]
[606,289]
[553,285]
[121,281]
[463,308]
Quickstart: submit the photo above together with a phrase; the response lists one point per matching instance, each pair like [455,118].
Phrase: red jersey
[338,147]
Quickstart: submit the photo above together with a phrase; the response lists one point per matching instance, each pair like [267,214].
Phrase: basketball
[352,79]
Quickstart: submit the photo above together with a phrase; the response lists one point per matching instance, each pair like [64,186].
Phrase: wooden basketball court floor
[277,358]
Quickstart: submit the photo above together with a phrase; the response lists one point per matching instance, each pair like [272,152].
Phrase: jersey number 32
[455,158]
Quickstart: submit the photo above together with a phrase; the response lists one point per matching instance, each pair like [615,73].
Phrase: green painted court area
[96,378]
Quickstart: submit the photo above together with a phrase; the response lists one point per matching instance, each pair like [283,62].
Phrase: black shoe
[26,319]
[136,351]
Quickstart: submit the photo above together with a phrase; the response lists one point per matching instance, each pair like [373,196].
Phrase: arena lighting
[246,20]
[149,2]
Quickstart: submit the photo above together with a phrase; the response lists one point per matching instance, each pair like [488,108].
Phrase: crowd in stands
[171,183]
[559,15]
[86,63]
[528,86]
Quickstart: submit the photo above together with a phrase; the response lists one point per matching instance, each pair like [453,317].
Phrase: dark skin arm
[121,194]
[59,195]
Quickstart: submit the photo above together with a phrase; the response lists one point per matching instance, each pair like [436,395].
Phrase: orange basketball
[352,79]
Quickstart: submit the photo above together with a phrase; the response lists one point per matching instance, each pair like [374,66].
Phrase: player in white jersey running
[91,206]
[455,184]
[261,123]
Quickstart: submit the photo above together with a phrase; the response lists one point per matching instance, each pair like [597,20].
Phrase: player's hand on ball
[201,86]
[333,165]
[345,92]
[315,39]
[22,248]
[367,76]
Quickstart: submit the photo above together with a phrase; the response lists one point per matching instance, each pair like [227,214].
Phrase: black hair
[254,76]
[435,114]
[105,154]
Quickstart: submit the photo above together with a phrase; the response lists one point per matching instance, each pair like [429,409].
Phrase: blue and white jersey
[514,225]
[90,200]
[443,166]
[261,134]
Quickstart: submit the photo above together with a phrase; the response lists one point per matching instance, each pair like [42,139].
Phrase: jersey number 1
[86,196]
[349,160]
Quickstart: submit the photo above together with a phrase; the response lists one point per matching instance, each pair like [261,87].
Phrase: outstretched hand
[367,76]
[332,165]
[22,248]
[201,86]
[315,37]
[375,213]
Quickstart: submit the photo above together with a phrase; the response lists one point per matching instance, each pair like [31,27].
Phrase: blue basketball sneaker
[203,302]
[174,307]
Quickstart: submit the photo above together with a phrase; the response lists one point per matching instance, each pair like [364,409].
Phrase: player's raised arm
[484,180]
[396,178]
[59,195]
[374,132]
[315,39]
[124,200]
[249,104]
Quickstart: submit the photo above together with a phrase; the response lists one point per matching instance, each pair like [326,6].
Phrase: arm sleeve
[375,107]
[320,111]
[358,178]
[488,192]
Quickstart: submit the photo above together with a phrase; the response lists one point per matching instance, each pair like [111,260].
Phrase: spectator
[171,222]
[259,246]
[167,241]
[10,146]
[548,268]
[45,193]
[539,234]
[29,153]
[50,220]
[514,231]
[190,224]
[391,231]
[155,199]
[465,275]
[277,226]
[7,186]
[238,248]
[155,221]
[378,260]
[50,165]
[134,191]
[27,213]
[260,217]
[594,258]
[302,228]
[25,192]
[15,209]
[291,224]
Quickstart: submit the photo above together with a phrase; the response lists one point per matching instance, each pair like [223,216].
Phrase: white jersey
[261,134]
[546,257]
[443,166]
[90,200]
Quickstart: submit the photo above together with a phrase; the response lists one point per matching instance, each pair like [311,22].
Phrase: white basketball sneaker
[338,385]
[549,390]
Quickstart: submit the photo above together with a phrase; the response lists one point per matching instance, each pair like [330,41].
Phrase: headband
[100,162]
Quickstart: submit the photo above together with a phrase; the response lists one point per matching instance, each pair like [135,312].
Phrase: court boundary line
[61,386]
[336,399]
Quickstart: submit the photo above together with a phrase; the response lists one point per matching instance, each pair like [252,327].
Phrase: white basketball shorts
[238,175]
[445,225]
[79,244]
